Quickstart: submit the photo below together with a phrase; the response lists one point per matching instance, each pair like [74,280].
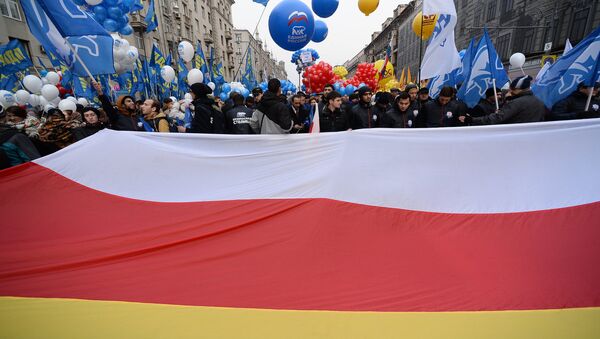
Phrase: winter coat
[273,108]
[364,115]
[237,120]
[483,108]
[573,107]
[207,118]
[86,131]
[394,118]
[521,108]
[299,118]
[120,118]
[159,123]
[335,121]
[438,115]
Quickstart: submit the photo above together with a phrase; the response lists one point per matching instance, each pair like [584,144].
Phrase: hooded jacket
[272,106]
[207,119]
[120,118]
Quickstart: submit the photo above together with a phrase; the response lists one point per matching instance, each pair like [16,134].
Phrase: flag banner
[441,55]
[58,24]
[9,82]
[81,88]
[465,67]
[14,57]
[248,79]
[486,67]
[262,2]
[151,19]
[201,64]
[579,65]
[451,249]
[182,73]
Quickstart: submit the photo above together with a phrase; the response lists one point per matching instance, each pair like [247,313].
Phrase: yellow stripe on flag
[67,318]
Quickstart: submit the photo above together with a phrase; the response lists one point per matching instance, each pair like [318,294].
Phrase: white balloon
[45,82]
[34,100]
[83,102]
[188,96]
[167,73]
[173,98]
[93,2]
[48,107]
[132,54]
[22,96]
[120,54]
[67,105]
[118,68]
[195,76]
[7,98]
[124,45]
[186,51]
[41,101]
[50,92]
[72,99]
[55,101]
[211,85]
[517,60]
[32,83]
[53,78]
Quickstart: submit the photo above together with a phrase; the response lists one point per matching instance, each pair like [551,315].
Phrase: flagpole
[420,50]
[589,99]
[495,94]
[246,52]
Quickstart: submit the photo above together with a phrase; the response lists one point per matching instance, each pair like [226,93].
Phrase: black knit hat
[201,90]
[363,90]
[522,82]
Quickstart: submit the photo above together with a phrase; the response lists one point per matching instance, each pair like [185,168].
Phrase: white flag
[568,47]
[441,56]
[439,7]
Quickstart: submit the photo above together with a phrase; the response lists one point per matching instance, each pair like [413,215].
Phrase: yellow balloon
[340,71]
[387,76]
[368,6]
[428,23]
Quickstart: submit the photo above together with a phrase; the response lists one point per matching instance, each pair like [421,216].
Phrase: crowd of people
[26,134]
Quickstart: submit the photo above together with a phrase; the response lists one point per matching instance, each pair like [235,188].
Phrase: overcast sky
[349,29]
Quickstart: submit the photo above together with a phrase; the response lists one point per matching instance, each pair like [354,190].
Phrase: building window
[506,5]
[578,27]
[491,12]
[10,9]
[528,41]
[503,46]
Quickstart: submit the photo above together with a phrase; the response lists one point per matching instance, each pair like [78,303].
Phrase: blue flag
[262,2]
[465,63]
[151,20]
[9,82]
[58,24]
[181,78]
[81,88]
[136,5]
[248,79]
[486,67]
[211,65]
[200,63]
[436,84]
[579,65]
[14,57]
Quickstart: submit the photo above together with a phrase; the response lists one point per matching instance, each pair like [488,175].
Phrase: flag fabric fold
[441,55]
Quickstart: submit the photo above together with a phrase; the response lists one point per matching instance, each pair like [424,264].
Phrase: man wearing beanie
[272,116]
[207,118]
[522,106]
[363,115]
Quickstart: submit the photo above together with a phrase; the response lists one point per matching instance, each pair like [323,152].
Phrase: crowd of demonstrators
[26,133]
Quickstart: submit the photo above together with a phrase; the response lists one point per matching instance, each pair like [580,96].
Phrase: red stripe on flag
[61,239]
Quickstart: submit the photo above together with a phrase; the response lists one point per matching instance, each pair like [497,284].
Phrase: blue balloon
[245,92]
[115,13]
[325,8]
[110,25]
[350,89]
[43,73]
[362,84]
[291,24]
[110,3]
[123,20]
[100,13]
[226,88]
[126,30]
[337,86]
[224,96]
[321,31]
[79,2]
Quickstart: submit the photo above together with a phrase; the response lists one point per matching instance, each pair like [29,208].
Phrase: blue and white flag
[262,2]
[465,68]
[441,56]
[486,67]
[56,24]
[151,20]
[579,65]
[436,84]
[14,57]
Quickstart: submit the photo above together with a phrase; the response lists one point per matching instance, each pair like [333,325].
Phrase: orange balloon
[368,6]
[425,24]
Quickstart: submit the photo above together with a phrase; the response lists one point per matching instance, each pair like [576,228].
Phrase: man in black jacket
[362,114]
[442,112]
[333,118]
[573,106]
[237,119]
[299,115]
[400,115]
[272,106]
[522,106]
[123,117]
[207,117]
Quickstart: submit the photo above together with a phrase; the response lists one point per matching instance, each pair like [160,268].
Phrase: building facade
[264,65]
[536,28]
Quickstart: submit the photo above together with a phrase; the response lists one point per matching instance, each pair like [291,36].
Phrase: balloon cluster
[233,87]
[125,55]
[298,53]
[340,71]
[111,14]
[317,76]
[365,74]
[45,92]
[286,87]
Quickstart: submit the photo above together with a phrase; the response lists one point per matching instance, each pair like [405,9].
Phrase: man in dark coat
[573,106]
[207,117]
[487,105]
[442,112]
[237,119]
[400,115]
[272,106]
[333,118]
[123,117]
[363,114]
